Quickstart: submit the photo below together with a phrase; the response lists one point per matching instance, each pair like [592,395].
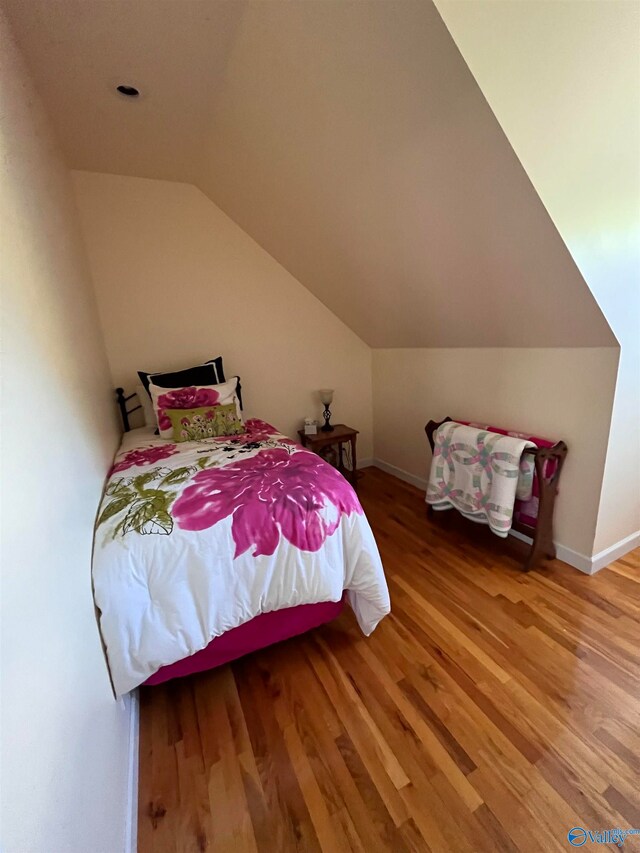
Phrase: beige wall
[178,282]
[576,67]
[555,393]
[64,738]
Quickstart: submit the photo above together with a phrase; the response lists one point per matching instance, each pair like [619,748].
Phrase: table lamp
[326,398]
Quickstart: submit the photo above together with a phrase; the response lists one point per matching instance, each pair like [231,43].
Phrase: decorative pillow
[204,422]
[210,373]
[191,397]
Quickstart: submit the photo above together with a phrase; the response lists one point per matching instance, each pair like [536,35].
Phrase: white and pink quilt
[480,473]
[196,538]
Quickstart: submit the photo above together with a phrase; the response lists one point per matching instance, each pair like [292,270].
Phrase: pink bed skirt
[258,633]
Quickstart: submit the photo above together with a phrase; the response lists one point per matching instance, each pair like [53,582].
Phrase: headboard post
[122,405]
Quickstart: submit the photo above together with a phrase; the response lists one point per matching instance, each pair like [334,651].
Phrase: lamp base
[326,428]
[326,415]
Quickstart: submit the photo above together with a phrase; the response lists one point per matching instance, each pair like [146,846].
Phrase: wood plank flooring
[492,711]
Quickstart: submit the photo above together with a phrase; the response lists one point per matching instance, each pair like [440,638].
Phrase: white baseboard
[400,473]
[367,462]
[588,565]
[615,552]
[574,558]
[131,818]
[567,555]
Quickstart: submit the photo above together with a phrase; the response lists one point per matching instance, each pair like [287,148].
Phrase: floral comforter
[196,538]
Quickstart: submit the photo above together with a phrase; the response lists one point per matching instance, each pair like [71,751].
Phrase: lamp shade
[326,396]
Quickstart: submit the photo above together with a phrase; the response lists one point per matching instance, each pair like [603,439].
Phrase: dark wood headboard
[124,410]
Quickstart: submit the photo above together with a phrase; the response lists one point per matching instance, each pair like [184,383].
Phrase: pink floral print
[274,492]
[255,430]
[143,457]
[184,398]
[259,430]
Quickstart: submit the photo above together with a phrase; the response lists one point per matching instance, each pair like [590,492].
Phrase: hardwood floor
[492,711]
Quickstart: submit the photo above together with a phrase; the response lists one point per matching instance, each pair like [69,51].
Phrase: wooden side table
[340,435]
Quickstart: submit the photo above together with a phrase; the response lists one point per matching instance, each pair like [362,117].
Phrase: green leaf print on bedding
[148,509]
[118,487]
[141,480]
[178,476]
[115,506]
[149,515]
[145,499]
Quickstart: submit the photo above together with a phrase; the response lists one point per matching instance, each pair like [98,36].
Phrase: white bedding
[194,539]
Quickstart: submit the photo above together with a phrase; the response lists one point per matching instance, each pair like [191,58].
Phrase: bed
[206,550]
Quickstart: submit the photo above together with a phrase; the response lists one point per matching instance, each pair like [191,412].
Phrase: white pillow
[191,397]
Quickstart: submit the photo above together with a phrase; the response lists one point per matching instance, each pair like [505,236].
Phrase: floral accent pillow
[204,422]
[191,397]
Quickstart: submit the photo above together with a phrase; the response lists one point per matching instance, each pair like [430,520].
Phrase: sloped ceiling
[348,138]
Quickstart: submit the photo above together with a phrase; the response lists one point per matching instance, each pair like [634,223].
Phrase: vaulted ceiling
[348,138]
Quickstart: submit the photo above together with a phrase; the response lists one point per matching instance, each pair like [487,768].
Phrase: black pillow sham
[210,373]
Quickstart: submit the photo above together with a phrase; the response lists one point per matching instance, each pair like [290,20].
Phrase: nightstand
[340,435]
